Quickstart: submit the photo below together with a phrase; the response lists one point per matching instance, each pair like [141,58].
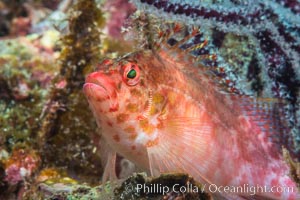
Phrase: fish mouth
[92,90]
[97,86]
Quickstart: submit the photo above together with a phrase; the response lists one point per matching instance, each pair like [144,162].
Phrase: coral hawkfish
[165,111]
[257,42]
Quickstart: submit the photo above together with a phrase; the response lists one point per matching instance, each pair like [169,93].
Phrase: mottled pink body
[163,112]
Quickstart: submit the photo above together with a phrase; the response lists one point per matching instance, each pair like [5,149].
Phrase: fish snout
[99,87]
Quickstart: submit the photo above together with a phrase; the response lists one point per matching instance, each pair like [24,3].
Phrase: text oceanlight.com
[176,188]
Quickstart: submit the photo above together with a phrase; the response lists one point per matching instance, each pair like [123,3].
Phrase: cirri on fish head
[164,112]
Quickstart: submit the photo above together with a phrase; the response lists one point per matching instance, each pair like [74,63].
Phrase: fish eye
[131,74]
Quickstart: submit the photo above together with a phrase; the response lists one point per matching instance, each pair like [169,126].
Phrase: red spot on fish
[109,123]
[133,147]
[140,117]
[122,117]
[116,138]
[114,108]
[160,124]
[131,132]
[114,94]
[152,142]
[288,182]
[274,182]
[99,99]
[135,92]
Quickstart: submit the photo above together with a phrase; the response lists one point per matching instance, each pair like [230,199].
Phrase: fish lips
[98,87]
[94,91]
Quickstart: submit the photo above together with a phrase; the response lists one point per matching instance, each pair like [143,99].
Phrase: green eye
[131,74]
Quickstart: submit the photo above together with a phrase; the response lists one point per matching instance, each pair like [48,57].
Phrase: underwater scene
[150,99]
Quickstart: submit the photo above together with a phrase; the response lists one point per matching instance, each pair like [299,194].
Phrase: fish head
[120,95]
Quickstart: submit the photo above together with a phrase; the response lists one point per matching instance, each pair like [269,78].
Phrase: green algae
[68,124]
[14,50]
[22,96]
[74,145]
[80,50]
[42,106]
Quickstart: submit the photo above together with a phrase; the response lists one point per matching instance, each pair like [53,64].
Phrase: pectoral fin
[182,148]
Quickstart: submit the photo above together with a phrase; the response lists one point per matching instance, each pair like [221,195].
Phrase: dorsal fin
[189,46]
